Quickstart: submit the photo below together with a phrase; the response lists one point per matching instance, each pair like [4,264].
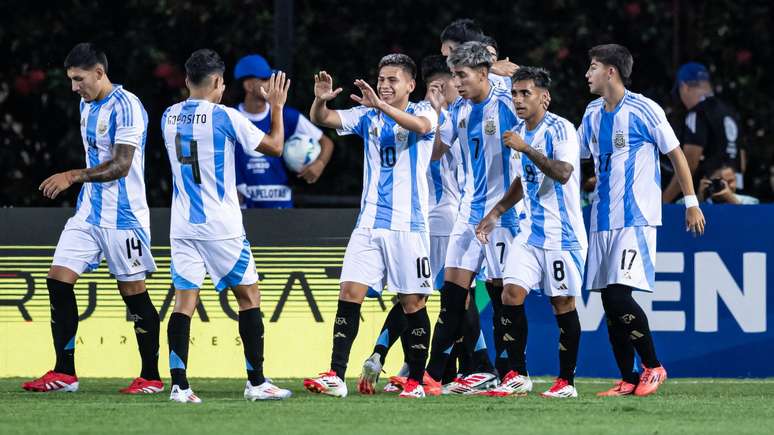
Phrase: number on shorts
[559,270]
[191,159]
[423,267]
[133,244]
[631,261]
[501,245]
[388,157]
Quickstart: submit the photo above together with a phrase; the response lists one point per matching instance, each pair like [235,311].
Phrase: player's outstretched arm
[113,169]
[319,113]
[417,124]
[273,143]
[694,218]
[489,222]
[556,169]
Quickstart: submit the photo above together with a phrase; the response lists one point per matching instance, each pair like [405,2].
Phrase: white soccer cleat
[472,384]
[453,386]
[513,384]
[561,389]
[413,390]
[183,396]
[392,388]
[265,391]
[327,383]
[372,368]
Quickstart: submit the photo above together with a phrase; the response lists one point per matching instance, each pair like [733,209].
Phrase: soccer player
[263,179]
[111,220]
[479,119]
[624,133]
[391,238]
[206,232]
[549,253]
[465,30]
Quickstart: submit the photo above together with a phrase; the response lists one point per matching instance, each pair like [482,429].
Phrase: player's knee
[63,274]
[563,304]
[131,288]
[412,303]
[514,295]
[352,292]
[186,301]
[248,296]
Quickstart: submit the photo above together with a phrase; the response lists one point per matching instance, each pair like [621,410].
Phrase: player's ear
[99,70]
[412,85]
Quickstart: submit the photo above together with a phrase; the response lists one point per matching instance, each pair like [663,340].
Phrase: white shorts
[82,246]
[402,257]
[555,273]
[623,256]
[466,252]
[438,245]
[229,262]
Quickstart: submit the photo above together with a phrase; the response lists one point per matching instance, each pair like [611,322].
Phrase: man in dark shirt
[711,134]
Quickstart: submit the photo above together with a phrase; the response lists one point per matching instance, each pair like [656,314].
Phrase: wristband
[691,201]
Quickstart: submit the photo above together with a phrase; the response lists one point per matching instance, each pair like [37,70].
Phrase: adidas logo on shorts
[562,287]
[425,284]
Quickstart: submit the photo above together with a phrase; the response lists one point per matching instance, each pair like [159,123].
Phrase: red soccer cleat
[650,380]
[621,388]
[413,390]
[143,386]
[53,381]
[431,386]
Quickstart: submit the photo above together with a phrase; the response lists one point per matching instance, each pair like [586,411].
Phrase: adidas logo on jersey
[425,284]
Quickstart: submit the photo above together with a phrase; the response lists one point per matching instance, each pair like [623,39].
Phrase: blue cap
[691,72]
[253,65]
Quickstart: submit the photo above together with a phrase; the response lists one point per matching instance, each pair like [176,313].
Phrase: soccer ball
[299,151]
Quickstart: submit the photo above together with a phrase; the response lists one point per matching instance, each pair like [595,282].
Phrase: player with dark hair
[111,221]
[390,242]
[549,253]
[206,233]
[624,132]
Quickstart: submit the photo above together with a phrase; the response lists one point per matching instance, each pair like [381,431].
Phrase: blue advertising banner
[709,311]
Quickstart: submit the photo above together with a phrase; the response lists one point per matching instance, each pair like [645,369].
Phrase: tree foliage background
[147,43]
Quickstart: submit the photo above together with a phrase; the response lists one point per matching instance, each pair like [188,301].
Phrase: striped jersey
[486,162]
[553,218]
[200,138]
[625,144]
[396,161]
[119,118]
[445,187]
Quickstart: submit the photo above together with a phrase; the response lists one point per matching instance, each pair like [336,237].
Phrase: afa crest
[620,140]
[102,127]
[401,134]
[489,126]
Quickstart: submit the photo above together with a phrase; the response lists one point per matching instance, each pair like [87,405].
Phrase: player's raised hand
[277,93]
[323,87]
[369,98]
[435,95]
[485,227]
[694,221]
[55,184]
[514,141]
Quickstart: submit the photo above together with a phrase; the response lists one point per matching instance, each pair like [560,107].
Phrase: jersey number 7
[191,159]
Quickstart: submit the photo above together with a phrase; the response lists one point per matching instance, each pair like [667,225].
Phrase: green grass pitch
[681,406]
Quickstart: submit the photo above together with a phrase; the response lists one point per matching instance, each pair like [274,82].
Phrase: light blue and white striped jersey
[625,144]
[445,186]
[486,163]
[553,218]
[200,137]
[501,82]
[396,161]
[119,118]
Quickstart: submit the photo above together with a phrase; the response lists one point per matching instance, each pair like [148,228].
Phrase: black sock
[623,349]
[569,341]
[632,318]
[452,368]
[64,324]
[501,355]
[393,327]
[514,321]
[251,331]
[476,354]
[178,334]
[345,330]
[447,328]
[146,329]
[418,338]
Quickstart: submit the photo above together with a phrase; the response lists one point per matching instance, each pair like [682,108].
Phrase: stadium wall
[709,311]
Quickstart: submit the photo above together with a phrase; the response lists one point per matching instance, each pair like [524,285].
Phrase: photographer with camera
[720,188]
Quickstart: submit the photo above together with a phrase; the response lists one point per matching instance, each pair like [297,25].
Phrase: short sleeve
[305,127]
[425,110]
[130,120]
[566,146]
[242,131]
[582,136]
[352,120]
[695,131]
[663,135]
